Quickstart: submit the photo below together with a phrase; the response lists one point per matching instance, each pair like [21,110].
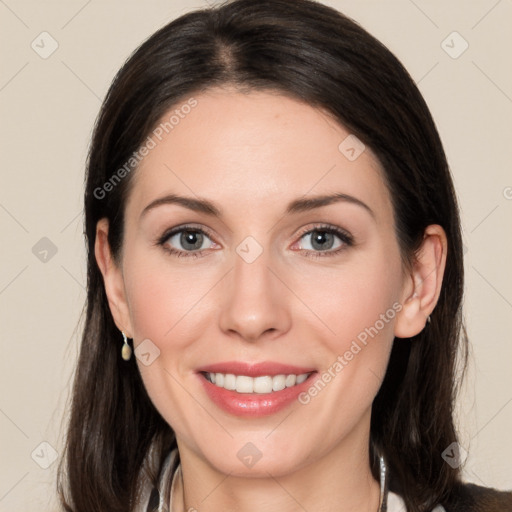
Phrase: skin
[251,154]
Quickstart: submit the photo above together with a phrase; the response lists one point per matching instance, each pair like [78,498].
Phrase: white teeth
[230,381]
[279,382]
[244,384]
[290,380]
[263,384]
[301,378]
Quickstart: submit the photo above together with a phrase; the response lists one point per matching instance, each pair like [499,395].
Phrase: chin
[256,459]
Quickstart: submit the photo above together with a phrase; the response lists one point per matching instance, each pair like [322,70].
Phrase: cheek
[356,297]
[163,305]
[161,296]
[150,301]
[358,304]
[361,312]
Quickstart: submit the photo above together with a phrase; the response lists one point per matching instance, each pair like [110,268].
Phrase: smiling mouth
[263,384]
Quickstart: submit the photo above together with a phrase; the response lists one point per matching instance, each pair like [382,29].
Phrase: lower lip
[253,404]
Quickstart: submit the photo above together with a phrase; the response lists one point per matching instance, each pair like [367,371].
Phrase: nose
[254,302]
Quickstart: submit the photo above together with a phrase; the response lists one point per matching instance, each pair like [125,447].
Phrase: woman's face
[265,280]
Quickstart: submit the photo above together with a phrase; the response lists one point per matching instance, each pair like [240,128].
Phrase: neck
[339,481]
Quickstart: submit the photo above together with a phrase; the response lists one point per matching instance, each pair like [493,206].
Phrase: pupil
[320,238]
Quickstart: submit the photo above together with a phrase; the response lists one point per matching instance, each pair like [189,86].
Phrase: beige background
[48,107]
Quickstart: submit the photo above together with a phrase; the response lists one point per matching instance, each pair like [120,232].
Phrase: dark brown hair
[315,54]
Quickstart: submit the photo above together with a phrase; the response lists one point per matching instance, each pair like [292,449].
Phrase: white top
[396,504]
[150,497]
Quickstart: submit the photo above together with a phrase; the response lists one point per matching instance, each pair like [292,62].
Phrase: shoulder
[471,497]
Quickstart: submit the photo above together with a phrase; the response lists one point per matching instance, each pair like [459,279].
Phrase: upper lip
[255,369]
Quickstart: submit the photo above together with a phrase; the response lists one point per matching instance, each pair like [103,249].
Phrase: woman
[272,230]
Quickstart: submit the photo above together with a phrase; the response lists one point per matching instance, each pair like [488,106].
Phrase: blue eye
[186,241]
[190,240]
[322,240]
[326,241]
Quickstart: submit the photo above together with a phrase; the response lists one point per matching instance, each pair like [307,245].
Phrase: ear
[422,287]
[113,279]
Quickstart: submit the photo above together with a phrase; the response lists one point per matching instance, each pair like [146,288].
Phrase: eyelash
[343,235]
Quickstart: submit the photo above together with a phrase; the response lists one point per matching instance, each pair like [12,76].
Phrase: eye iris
[319,239]
[193,238]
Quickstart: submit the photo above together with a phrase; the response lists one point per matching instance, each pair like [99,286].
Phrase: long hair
[317,55]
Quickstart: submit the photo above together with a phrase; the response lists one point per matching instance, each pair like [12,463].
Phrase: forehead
[254,149]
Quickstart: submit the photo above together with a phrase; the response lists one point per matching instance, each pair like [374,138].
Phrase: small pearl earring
[126,351]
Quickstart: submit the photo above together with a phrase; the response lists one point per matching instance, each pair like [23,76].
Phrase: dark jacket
[474,498]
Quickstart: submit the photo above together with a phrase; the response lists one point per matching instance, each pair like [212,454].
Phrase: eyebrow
[296,206]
